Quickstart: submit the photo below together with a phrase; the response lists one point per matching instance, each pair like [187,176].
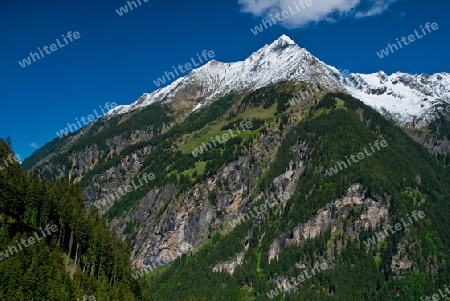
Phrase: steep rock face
[84,159]
[287,181]
[333,217]
[230,265]
[401,261]
[431,141]
[189,217]
[441,147]
[109,181]
[169,220]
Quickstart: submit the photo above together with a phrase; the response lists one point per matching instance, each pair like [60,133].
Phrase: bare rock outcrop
[333,217]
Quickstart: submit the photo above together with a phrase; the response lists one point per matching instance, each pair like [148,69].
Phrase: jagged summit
[279,61]
[285,40]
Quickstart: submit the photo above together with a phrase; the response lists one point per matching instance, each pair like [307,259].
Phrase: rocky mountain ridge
[129,140]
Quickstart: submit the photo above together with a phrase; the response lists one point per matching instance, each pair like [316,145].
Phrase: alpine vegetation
[243,125]
[31,240]
[360,155]
[398,227]
[411,38]
[301,96]
[300,278]
[263,208]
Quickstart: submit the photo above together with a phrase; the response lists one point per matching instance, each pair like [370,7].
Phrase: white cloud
[377,9]
[318,10]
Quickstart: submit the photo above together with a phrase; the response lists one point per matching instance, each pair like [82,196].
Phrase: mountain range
[306,117]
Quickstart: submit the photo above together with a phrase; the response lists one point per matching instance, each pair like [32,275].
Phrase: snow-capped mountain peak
[279,61]
[285,39]
[408,98]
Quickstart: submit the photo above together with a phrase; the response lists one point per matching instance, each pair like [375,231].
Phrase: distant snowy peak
[408,98]
[405,97]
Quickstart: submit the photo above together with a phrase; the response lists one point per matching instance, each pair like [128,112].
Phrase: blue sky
[117,58]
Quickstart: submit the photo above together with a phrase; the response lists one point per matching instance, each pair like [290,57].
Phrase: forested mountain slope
[51,248]
[332,220]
